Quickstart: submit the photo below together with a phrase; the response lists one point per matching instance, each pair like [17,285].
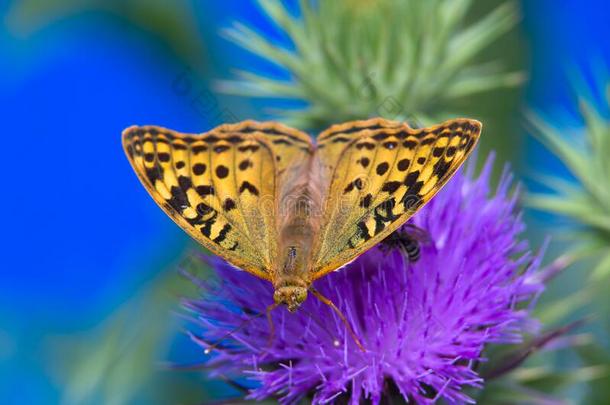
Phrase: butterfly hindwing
[381,176]
[220,187]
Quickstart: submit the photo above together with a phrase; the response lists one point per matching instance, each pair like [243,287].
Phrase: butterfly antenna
[212,347]
[328,302]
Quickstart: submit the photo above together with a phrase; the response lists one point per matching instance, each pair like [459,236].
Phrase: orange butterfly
[268,200]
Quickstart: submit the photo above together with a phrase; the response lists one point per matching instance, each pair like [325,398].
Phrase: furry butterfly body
[268,200]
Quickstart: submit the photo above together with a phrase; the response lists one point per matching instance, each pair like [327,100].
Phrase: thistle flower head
[424,325]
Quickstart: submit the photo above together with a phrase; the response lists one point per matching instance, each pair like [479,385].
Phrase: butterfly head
[290,295]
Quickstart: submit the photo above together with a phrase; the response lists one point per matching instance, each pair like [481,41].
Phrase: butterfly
[270,201]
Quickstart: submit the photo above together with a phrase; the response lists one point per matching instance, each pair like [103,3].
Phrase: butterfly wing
[221,186]
[382,173]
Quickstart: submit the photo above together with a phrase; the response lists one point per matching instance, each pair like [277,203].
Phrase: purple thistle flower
[424,325]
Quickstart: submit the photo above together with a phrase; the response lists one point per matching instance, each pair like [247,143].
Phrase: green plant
[583,202]
[399,59]
[586,200]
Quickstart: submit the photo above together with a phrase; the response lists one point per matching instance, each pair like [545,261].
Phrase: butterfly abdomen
[296,238]
[299,219]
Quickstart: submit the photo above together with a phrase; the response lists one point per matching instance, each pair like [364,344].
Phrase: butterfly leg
[271,325]
[328,302]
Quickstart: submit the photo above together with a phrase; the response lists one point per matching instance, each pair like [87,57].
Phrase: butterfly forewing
[381,176]
[220,187]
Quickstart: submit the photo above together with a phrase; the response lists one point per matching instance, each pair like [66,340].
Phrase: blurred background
[89,287]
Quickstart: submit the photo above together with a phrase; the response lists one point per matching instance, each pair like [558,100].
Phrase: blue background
[80,235]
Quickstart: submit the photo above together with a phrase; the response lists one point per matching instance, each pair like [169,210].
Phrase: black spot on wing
[185,182]
[204,190]
[204,209]
[438,152]
[365,145]
[442,167]
[245,164]
[235,139]
[365,201]
[198,220]
[415,188]
[247,186]
[179,146]
[178,200]
[206,229]
[354,129]
[199,148]
[222,235]
[382,168]
[199,168]
[411,178]
[221,148]
[228,205]
[154,173]
[403,164]
[211,139]
[381,136]
[356,183]
[364,231]
[383,215]
[222,171]
[248,148]
[391,186]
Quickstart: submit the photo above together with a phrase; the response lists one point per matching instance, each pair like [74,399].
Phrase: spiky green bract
[399,59]
[586,200]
